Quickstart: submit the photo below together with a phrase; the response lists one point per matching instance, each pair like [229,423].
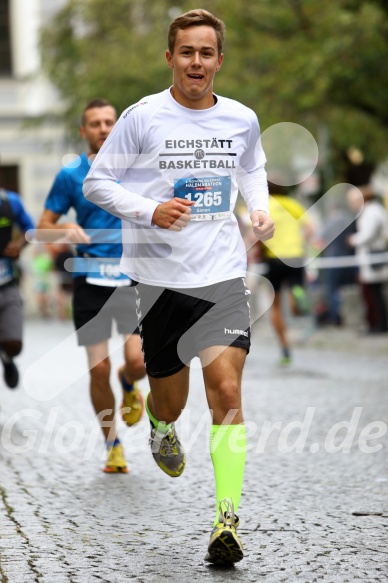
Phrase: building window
[5,39]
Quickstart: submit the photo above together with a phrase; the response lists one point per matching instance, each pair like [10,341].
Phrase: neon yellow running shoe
[168,452]
[225,546]
[115,462]
[301,300]
[284,361]
[132,407]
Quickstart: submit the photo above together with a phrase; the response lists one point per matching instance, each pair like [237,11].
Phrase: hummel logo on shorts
[236,332]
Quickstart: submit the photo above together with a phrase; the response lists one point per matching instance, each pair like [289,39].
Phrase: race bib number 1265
[210,195]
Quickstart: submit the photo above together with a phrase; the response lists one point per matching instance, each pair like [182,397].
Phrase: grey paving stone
[308,512]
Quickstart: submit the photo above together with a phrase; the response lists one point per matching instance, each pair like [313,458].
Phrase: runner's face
[98,124]
[195,61]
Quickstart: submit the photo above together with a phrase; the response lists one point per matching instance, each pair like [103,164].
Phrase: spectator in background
[64,289]
[12,213]
[333,277]
[370,241]
[42,266]
[284,255]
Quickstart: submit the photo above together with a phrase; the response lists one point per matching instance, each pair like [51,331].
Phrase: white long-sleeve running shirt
[159,149]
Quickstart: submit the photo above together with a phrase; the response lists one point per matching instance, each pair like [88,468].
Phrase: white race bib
[105,272]
[210,195]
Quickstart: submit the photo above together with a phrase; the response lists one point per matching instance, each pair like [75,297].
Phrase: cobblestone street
[314,505]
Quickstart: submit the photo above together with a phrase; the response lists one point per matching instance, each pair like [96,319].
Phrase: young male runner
[101,293]
[171,169]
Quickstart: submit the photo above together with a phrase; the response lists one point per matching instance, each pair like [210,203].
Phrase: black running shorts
[280,273]
[175,324]
[95,307]
[11,311]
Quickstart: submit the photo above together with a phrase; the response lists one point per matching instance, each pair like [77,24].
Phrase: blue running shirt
[23,220]
[66,193]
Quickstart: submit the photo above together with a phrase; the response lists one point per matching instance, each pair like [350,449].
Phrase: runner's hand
[263,226]
[173,214]
[76,234]
[12,250]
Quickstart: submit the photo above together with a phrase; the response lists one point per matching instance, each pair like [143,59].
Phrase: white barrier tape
[350,261]
[329,262]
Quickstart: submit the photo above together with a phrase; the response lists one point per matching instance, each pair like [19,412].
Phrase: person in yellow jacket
[284,255]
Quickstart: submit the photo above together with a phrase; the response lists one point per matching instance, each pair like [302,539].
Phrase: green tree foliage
[320,64]
[113,50]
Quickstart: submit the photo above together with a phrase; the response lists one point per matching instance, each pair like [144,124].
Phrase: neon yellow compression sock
[160,425]
[228,445]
